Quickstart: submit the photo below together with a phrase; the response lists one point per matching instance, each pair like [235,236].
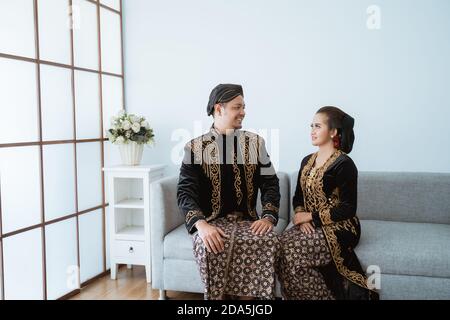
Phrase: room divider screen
[61,79]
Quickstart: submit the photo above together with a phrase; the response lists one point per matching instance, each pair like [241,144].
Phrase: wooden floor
[130,285]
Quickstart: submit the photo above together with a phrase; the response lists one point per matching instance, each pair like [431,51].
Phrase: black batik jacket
[330,194]
[221,174]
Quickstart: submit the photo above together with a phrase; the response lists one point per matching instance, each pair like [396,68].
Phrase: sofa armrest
[164,217]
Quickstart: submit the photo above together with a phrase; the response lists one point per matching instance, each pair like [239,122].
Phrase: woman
[318,261]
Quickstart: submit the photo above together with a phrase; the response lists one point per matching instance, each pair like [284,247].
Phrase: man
[220,176]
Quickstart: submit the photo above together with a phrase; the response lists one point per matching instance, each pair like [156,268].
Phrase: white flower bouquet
[127,128]
[131,133]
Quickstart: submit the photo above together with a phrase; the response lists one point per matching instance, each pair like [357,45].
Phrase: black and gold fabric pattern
[245,268]
[329,192]
[224,173]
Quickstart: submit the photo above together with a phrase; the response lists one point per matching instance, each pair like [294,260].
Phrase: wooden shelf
[131,233]
[133,203]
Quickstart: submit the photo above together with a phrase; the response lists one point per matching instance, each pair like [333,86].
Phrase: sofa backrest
[401,196]
[404,196]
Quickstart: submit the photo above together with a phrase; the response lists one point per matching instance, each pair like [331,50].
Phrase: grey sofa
[405,220]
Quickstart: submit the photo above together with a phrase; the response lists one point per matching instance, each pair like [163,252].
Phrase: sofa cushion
[404,196]
[401,196]
[178,244]
[396,247]
[400,287]
[187,280]
[403,248]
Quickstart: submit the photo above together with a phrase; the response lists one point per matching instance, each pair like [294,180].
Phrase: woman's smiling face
[320,133]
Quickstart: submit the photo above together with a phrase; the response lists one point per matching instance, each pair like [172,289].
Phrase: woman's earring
[336,142]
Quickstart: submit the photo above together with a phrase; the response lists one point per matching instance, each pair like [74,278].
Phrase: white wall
[292,57]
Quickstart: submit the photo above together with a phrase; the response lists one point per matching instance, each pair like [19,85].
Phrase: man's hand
[302,217]
[261,226]
[211,236]
[307,228]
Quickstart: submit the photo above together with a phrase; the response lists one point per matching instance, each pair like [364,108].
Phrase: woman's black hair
[343,123]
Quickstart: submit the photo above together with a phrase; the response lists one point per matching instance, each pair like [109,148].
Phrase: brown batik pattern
[301,254]
[245,268]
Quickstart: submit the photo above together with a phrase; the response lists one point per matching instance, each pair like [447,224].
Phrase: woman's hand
[307,228]
[301,218]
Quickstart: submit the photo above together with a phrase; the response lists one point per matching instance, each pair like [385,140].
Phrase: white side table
[129,201]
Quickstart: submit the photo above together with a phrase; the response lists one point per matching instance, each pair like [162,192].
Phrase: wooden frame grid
[40,143]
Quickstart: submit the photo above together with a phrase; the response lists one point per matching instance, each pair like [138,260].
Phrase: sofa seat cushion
[178,244]
[405,248]
[399,248]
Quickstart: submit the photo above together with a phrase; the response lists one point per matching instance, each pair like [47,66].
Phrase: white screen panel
[61,258]
[112,99]
[111,41]
[85,34]
[18,101]
[20,180]
[17,28]
[54,31]
[59,180]
[89,175]
[91,245]
[115,4]
[22,259]
[107,238]
[56,103]
[112,154]
[112,157]
[87,102]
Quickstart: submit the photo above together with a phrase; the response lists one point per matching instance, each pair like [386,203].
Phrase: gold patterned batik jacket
[329,192]
[222,174]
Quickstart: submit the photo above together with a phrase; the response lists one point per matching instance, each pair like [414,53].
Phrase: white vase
[131,153]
